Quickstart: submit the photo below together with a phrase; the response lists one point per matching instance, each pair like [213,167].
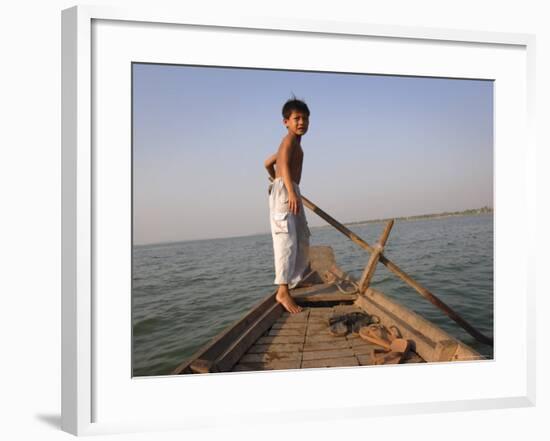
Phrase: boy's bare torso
[296,159]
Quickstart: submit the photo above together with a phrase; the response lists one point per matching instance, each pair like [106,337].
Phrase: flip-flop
[386,357]
[400,345]
[365,334]
[338,329]
[353,322]
[395,354]
[349,317]
[378,331]
[358,316]
[337,318]
[394,333]
[393,358]
[361,322]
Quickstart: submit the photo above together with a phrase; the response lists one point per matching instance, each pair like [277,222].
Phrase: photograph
[288,219]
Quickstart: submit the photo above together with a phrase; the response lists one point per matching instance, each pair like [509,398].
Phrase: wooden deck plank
[331,354]
[316,338]
[289,325]
[324,332]
[324,297]
[280,339]
[357,341]
[279,364]
[364,349]
[321,335]
[320,317]
[354,338]
[282,364]
[270,356]
[290,322]
[318,320]
[365,359]
[337,343]
[316,312]
[287,332]
[317,329]
[295,317]
[322,288]
[330,362]
[259,348]
[346,309]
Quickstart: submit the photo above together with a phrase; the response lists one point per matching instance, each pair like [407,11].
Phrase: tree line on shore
[469,212]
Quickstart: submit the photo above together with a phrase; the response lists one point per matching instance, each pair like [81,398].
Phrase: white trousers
[290,235]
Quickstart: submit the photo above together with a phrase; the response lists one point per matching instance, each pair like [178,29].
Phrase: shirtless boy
[289,228]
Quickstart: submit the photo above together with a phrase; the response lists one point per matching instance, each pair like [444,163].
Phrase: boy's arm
[270,165]
[286,153]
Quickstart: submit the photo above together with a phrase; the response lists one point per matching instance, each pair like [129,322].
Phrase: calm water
[185,293]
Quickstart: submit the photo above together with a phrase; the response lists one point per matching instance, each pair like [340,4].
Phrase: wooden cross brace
[374,257]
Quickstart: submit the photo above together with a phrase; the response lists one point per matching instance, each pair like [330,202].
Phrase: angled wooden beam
[343,229]
[364,282]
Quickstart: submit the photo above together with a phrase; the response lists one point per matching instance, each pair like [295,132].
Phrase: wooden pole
[374,257]
[347,232]
[401,274]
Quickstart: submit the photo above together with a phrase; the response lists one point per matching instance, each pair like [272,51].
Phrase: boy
[289,228]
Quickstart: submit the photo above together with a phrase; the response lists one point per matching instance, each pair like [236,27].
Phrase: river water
[184,293]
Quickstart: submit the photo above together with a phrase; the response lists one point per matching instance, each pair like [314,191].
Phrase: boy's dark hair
[296,105]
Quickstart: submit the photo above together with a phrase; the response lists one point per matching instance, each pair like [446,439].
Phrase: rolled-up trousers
[290,235]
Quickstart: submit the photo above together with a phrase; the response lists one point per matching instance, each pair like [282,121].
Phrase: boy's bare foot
[285,299]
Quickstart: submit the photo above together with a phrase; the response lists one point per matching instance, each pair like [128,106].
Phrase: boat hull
[268,337]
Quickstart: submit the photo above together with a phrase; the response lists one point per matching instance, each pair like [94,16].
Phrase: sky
[377,147]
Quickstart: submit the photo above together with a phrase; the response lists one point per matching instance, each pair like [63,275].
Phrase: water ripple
[186,293]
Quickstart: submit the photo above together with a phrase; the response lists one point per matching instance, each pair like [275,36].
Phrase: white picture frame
[90,241]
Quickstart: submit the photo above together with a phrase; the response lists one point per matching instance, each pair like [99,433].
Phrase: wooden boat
[268,337]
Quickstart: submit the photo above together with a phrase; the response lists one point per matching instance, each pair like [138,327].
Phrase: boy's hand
[293,203]
[269,164]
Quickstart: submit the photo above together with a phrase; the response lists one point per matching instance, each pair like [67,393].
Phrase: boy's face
[297,123]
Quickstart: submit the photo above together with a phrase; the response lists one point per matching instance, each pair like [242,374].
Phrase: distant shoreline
[446,214]
[469,212]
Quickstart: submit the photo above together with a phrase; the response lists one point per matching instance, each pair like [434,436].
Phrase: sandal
[338,329]
[360,322]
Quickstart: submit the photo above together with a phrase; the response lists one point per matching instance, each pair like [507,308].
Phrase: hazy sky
[377,146]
